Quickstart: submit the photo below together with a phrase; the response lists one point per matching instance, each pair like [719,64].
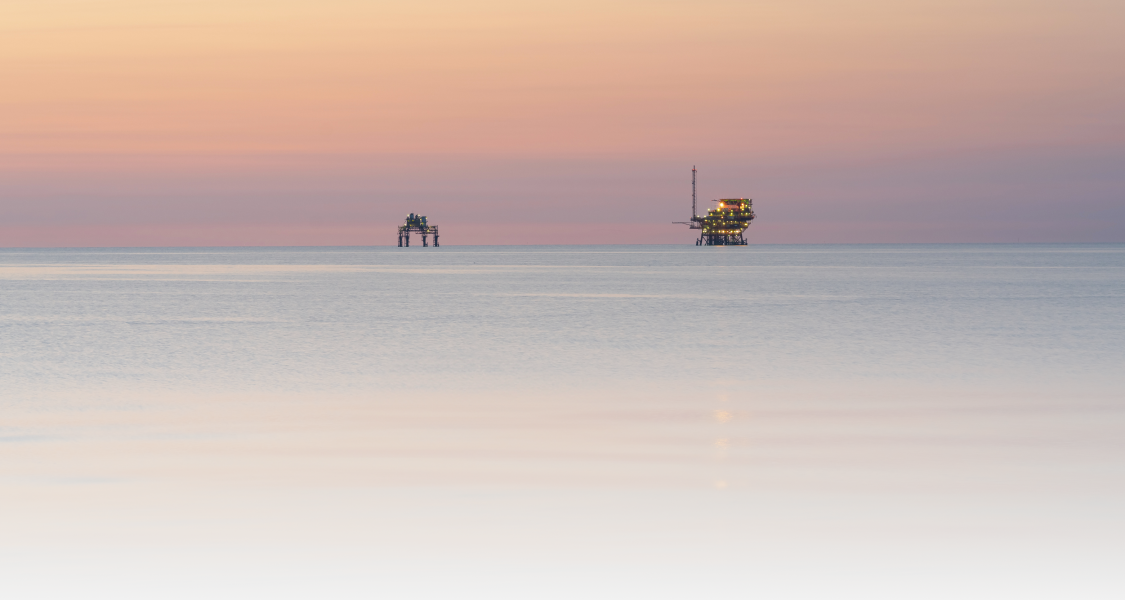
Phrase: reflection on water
[560,422]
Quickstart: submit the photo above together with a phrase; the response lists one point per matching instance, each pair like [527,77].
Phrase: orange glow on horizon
[239,94]
[501,77]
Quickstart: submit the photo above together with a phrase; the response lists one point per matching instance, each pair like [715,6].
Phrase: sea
[768,421]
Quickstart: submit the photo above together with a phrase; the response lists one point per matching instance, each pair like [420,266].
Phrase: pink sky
[307,123]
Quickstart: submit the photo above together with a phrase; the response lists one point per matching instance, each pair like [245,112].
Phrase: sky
[293,122]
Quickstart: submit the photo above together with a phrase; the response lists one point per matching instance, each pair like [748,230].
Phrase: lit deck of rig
[417,224]
[721,226]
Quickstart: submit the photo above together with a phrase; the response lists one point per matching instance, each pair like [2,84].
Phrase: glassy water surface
[495,421]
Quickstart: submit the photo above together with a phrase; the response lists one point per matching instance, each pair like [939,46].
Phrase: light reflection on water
[657,419]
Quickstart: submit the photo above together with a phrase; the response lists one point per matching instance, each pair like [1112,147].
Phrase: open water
[620,421]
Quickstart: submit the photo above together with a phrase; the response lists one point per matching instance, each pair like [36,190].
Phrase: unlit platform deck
[425,231]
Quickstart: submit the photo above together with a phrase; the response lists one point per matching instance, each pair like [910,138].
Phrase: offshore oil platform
[722,226]
[417,224]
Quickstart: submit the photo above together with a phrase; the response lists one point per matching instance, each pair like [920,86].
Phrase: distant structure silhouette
[417,224]
[722,226]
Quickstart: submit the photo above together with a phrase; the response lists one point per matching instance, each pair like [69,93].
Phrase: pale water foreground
[620,421]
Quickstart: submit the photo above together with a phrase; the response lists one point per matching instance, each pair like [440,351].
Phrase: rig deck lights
[722,226]
[417,224]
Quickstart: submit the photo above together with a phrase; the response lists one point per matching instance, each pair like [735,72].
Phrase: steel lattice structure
[416,224]
[721,226]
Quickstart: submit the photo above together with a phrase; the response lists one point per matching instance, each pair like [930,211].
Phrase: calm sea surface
[619,421]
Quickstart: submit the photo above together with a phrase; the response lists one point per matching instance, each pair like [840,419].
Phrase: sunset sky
[292,122]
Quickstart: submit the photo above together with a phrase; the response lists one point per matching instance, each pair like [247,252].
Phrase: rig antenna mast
[693,213]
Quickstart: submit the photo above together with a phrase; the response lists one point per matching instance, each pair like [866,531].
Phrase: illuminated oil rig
[722,226]
[417,224]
